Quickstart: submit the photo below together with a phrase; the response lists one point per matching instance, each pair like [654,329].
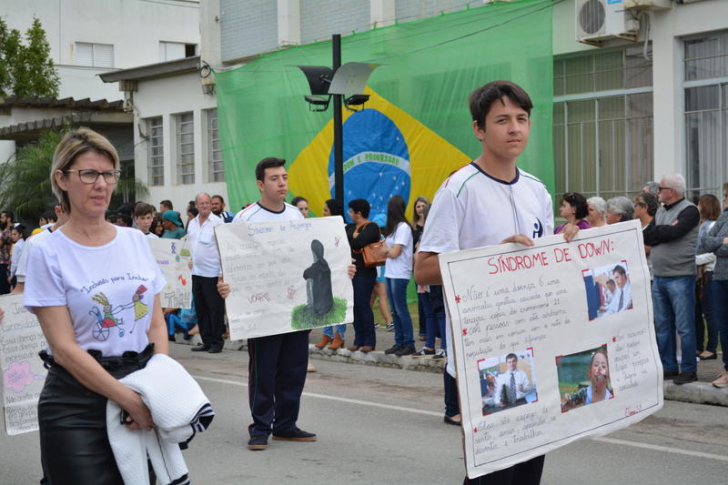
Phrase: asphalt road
[384,426]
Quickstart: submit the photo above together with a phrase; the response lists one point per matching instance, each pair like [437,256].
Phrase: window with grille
[706,113]
[603,123]
[185,148]
[216,168]
[94,55]
[156,151]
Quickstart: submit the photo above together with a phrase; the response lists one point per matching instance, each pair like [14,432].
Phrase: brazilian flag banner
[416,127]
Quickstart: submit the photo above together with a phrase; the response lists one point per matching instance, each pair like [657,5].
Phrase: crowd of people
[81,245]
[685,246]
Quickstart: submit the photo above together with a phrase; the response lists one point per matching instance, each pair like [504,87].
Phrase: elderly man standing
[205,265]
[673,235]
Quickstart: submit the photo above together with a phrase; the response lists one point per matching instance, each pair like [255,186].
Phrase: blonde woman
[95,290]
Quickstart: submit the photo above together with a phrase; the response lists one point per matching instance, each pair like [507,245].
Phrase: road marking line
[332,398]
[666,449]
[612,441]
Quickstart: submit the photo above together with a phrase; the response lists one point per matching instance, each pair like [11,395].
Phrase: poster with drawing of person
[173,259]
[546,351]
[285,276]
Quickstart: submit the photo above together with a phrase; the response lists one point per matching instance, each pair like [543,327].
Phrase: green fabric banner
[415,129]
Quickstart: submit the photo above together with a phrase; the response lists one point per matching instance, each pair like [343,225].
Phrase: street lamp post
[338,128]
[351,78]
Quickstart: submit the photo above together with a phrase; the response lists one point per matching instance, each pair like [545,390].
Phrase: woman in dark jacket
[362,233]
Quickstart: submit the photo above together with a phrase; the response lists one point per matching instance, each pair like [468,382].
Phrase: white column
[382,12]
[668,96]
[289,22]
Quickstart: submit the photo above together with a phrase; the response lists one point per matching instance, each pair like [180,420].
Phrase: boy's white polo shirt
[472,209]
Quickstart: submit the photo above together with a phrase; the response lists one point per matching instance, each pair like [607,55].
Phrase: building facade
[89,37]
[627,108]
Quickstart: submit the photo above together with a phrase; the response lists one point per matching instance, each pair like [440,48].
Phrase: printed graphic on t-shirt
[106,316]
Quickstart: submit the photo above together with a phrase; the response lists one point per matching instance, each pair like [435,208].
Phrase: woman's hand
[570,231]
[350,270]
[139,415]
[384,252]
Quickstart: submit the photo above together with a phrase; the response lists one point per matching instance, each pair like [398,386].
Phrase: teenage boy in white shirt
[277,368]
[489,201]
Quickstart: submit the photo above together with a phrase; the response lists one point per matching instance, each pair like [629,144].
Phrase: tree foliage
[25,184]
[26,70]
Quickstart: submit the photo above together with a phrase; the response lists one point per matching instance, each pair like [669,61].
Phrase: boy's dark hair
[483,98]
[142,209]
[49,216]
[270,162]
[361,206]
[619,269]
[167,203]
[125,218]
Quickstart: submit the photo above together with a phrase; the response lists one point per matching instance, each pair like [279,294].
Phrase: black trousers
[526,473]
[277,374]
[210,308]
[4,285]
[74,444]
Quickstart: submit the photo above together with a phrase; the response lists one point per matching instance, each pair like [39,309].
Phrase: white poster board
[23,373]
[552,307]
[278,276]
[173,259]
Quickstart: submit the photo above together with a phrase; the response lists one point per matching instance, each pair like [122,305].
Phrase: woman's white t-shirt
[401,266]
[109,290]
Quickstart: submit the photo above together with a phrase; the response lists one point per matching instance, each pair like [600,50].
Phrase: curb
[379,359]
[697,393]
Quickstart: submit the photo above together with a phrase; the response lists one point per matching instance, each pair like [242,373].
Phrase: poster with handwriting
[173,259]
[23,373]
[552,343]
[285,276]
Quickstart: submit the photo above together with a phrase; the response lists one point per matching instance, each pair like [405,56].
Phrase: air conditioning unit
[598,21]
[648,4]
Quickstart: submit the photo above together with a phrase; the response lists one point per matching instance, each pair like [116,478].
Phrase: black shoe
[295,435]
[171,338]
[685,377]
[393,349]
[200,348]
[452,420]
[669,375]
[405,351]
[424,352]
[258,442]
[214,350]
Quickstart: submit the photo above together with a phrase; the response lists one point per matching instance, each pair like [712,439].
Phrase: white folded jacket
[179,410]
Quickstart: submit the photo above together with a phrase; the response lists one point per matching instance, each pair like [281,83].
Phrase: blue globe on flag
[376,161]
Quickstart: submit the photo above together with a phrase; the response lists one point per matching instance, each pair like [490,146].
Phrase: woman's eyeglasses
[90,176]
